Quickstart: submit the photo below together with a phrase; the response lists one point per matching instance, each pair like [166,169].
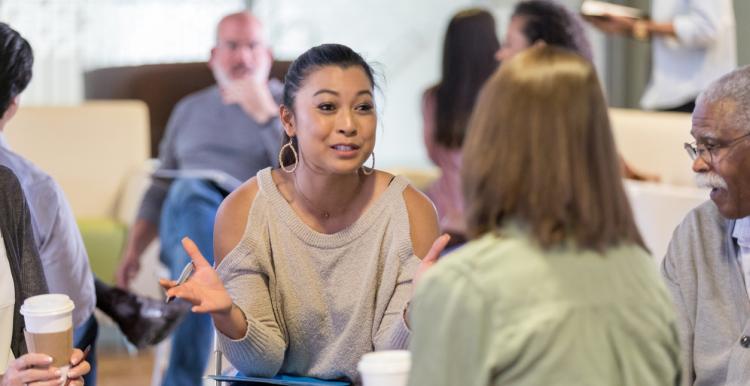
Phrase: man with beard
[227,132]
[707,266]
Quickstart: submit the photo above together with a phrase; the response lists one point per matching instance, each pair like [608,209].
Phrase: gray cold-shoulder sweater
[315,303]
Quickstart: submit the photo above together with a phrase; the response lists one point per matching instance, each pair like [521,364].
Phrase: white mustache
[710,180]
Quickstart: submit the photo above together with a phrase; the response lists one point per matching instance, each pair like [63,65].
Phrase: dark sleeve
[20,247]
[153,199]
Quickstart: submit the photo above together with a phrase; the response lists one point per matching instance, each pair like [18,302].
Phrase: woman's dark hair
[311,60]
[16,61]
[552,23]
[468,60]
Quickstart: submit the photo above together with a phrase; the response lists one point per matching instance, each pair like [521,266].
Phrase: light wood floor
[121,369]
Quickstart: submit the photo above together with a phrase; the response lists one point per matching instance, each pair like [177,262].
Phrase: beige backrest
[91,149]
[652,142]
[659,208]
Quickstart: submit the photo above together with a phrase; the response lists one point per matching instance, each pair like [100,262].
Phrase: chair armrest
[133,189]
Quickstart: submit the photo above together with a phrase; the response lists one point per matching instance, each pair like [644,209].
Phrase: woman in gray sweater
[319,255]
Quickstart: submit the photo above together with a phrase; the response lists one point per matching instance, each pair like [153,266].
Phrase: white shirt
[704,50]
[742,234]
[7,301]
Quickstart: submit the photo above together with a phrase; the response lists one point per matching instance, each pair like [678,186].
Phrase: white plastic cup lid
[49,304]
[385,362]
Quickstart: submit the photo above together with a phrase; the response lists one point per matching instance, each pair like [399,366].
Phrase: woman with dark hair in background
[555,286]
[546,21]
[315,260]
[468,60]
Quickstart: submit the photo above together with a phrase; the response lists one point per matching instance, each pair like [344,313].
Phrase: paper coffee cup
[385,368]
[49,328]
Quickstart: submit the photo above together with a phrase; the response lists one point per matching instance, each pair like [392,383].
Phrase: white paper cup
[49,328]
[385,368]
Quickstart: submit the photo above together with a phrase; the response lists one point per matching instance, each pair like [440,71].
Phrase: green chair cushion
[104,240]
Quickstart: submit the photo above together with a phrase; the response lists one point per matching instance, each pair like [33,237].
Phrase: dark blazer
[25,266]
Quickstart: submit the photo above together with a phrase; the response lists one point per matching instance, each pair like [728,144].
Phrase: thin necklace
[324,213]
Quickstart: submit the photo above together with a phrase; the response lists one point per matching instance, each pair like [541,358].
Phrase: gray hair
[734,87]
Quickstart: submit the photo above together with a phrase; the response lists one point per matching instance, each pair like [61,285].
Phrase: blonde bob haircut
[539,152]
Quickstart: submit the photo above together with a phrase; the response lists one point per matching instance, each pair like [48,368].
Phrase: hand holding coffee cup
[34,369]
[49,337]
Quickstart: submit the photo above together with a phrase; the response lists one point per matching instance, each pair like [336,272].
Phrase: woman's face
[515,41]
[334,119]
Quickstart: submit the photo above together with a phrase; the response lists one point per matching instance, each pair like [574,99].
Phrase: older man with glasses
[707,266]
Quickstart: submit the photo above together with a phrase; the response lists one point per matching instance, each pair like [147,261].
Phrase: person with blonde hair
[555,286]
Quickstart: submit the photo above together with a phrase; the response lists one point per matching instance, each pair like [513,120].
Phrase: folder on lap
[222,179]
[593,8]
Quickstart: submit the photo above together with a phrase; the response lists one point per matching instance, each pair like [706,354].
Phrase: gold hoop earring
[371,168]
[281,158]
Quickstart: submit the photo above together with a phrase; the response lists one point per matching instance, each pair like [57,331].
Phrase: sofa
[160,86]
[98,154]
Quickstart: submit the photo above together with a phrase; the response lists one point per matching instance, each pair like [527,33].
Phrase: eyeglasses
[710,151]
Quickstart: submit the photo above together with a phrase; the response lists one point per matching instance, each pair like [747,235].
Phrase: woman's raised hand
[431,258]
[204,289]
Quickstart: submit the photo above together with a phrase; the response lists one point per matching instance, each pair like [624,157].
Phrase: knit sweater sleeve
[261,351]
[676,269]
[393,332]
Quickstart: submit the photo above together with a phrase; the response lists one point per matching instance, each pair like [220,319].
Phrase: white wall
[404,37]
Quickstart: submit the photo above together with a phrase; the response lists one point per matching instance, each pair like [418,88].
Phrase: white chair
[659,208]
[652,142]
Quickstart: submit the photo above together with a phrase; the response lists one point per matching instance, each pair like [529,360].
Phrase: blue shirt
[61,250]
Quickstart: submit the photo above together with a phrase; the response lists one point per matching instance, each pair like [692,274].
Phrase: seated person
[468,60]
[319,255]
[555,286]
[21,276]
[61,249]
[707,266]
[231,128]
[549,22]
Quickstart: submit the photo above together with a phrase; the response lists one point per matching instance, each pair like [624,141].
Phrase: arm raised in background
[698,27]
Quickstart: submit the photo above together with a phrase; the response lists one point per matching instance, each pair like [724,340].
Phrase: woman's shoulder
[422,216]
[232,217]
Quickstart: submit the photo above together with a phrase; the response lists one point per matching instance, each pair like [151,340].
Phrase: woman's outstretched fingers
[437,248]
[194,253]
[166,283]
